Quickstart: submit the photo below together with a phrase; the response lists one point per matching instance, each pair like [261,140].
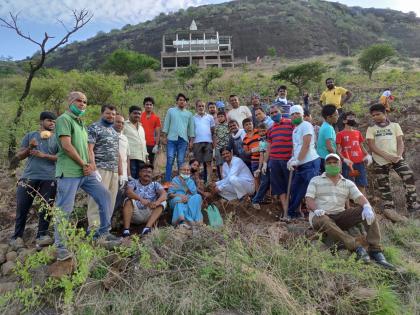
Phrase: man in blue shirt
[326,137]
[38,179]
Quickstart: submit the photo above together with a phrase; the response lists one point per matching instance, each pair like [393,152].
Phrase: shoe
[43,241]
[146,231]
[63,254]
[126,233]
[256,206]
[16,243]
[379,258]
[362,254]
[108,241]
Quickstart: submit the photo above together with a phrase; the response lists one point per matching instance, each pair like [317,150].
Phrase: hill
[295,29]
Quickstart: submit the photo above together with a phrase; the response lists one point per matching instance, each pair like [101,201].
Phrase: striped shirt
[280,139]
[252,142]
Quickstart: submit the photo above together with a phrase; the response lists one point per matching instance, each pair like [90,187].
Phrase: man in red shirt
[151,125]
[349,147]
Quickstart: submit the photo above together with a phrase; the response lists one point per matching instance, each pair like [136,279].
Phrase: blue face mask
[185,176]
[106,123]
[276,118]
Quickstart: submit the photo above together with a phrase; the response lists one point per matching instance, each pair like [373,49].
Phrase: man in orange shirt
[151,125]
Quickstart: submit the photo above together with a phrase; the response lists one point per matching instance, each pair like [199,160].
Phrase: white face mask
[185,176]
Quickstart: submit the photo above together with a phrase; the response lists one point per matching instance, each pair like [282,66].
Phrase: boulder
[7,268]
[62,268]
[25,253]
[2,258]
[4,248]
[11,256]
[7,286]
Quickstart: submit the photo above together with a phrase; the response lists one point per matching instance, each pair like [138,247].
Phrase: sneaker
[362,254]
[44,240]
[63,254]
[256,206]
[379,258]
[16,243]
[146,231]
[108,241]
[126,233]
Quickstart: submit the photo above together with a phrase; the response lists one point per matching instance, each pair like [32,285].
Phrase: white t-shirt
[124,151]
[203,125]
[239,114]
[303,129]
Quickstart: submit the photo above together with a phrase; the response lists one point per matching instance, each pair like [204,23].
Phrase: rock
[39,275]
[7,286]
[393,215]
[11,256]
[7,268]
[62,268]
[4,248]
[111,278]
[2,258]
[25,253]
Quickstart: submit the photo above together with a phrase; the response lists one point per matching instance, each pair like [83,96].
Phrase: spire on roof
[193,26]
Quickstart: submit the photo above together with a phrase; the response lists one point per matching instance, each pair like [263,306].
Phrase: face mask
[185,176]
[297,121]
[351,122]
[332,170]
[276,118]
[76,111]
[106,122]
[282,100]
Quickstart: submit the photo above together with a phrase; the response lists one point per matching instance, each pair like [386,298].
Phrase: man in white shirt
[238,113]
[203,141]
[237,180]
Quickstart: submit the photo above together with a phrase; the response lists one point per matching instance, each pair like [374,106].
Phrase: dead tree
[81,18]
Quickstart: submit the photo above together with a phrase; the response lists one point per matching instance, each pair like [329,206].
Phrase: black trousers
[151,154]
[26,192]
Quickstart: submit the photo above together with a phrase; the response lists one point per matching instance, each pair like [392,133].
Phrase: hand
[257,173]
[145,202]
[184,198]
[253,150]
[368,214]
[319,212]
[155,149]
[396,159]
[121,181]
[264,168]
[206,194]
[291,164]
[348,162]
[33,143]
[88,169]
[37,153]
[153,205]
[368,159]
[190,145]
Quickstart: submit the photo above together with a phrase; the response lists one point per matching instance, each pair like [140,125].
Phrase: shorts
[218,157]
[254,166]
[142,215]
[279,176]
[360,180]
[203,151]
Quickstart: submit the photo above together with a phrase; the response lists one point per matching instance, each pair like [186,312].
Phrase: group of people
[262,154]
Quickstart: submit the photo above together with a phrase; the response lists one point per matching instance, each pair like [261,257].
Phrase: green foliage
[301,74]
[272,52]
[185,74]
[208,75]
[374,56]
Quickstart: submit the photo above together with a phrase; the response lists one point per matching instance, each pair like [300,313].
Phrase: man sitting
[326,197]
[237,179]
[146,202]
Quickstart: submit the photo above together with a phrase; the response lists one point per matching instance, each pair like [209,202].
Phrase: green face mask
[297,121]
[76,111]
[332,170]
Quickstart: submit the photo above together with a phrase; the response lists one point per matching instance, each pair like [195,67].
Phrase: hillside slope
[294,28]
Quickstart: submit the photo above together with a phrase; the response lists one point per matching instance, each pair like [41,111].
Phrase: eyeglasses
[81,101]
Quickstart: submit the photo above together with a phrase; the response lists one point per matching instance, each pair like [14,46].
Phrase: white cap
[296,109]
[332,155]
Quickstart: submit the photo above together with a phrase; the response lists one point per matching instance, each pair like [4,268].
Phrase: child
[262,172]
[251,143]
[349,147]
[220,139]
[385,140]
[326,137]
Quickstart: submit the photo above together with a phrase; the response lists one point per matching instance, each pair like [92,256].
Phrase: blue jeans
[66,193]
[264,187]
[360,180]
[301,178]
[175,148]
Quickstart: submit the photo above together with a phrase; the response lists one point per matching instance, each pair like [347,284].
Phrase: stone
[25,253]
[62,268]
[7,286]
[2,258]
[11,256]
[39,275]
[7,268]
[393,215]
[4,248]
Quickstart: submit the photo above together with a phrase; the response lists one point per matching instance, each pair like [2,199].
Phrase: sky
[38,16]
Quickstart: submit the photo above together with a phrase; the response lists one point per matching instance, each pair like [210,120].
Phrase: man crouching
[326,197]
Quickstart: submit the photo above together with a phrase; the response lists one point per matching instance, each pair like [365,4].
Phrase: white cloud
[113,11]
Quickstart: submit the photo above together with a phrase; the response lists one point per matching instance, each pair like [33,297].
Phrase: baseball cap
[332,155]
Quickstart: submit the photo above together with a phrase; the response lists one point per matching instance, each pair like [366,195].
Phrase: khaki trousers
[110,182]
[334,224]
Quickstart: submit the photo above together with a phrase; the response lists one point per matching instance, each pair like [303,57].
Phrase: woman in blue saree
[185,201]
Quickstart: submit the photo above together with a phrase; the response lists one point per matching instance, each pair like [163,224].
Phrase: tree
[209,75]
[128,62]
[185,74]
[375,56]
[81,18]
[300,75]
[271,51]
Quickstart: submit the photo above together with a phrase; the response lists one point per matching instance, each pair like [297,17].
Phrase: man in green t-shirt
[74,171]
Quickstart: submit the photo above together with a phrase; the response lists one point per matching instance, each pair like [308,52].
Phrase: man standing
[178,134]
[203,141]
[326,137]
[261,117]
[282,102]
[134,132]
[74,171]
[151,125]
[38,178]
[104,157]
[256,104]
[212,109]
[326,197]
[238,113]
[334,95]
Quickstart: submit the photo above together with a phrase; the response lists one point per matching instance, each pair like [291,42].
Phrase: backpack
[215,219]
